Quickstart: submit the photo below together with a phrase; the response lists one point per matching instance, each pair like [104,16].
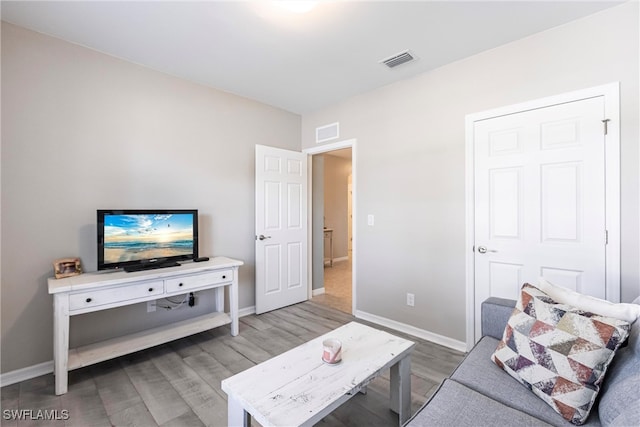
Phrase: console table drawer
[87,299]
[180,284]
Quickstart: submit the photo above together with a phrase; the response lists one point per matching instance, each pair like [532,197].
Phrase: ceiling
[297,62]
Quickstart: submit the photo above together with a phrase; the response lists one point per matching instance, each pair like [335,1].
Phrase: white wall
[336,192]
[82,131]
[411,160]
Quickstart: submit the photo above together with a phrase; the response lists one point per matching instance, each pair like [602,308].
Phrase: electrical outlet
[411,299]
[151,306]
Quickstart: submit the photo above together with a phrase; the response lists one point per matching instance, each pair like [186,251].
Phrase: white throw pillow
[622,311]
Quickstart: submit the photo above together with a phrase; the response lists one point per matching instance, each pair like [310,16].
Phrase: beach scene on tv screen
[138,237]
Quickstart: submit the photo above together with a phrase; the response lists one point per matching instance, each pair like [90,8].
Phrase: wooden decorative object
[67,267]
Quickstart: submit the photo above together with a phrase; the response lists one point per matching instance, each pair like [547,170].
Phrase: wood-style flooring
[178,383]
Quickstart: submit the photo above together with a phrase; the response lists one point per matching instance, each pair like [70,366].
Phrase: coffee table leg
[401,389]
[236,415]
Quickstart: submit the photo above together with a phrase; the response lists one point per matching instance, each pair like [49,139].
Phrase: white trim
[317,292]
[469,232]
[309,228]
[611,93]
[24,374]
[342,258]
[247,311]
[348,143]
[412,330]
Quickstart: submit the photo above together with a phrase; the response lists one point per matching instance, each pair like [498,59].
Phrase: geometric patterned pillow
[559,352]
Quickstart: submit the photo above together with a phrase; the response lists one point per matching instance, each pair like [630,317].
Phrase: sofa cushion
[495,315]
[559,352]
[620,395]
[622,311]
[479,373]
[456,405]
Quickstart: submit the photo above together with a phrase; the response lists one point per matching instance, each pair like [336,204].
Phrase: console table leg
[219,299]
[233,305]
[236,415]
[401,389]
[60,341]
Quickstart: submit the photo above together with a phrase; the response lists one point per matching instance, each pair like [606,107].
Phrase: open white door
[281,228]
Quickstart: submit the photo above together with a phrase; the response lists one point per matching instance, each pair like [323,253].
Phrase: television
[146,238]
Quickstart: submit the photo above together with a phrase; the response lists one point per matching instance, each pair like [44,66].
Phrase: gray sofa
[479,393]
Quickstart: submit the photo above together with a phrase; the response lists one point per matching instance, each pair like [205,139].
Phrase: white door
[540,200]
[281,228]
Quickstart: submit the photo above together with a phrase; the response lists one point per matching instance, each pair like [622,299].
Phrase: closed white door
[281,228]
[540,200]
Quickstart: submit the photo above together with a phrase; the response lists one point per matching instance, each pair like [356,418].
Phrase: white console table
[101,291]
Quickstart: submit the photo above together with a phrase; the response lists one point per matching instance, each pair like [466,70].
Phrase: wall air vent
[398,59]
[328,132]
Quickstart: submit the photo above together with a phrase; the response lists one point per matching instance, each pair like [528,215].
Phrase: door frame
[611,93]
[348,143]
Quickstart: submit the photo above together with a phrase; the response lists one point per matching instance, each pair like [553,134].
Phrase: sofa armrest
[495,313]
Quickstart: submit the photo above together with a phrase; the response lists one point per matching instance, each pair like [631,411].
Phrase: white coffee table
[297,388]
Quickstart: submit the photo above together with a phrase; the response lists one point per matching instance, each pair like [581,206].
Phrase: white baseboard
[342,258]
[247,311]
[27,373]
[412,330]
[316,292]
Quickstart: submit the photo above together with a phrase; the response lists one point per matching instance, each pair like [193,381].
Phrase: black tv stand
[150,266]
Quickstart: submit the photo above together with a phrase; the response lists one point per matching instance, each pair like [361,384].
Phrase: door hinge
[606,125]
[606,237]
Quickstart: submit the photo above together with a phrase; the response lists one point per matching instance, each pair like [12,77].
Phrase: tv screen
[143,239]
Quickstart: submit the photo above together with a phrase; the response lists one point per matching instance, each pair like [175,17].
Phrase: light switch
[369,219]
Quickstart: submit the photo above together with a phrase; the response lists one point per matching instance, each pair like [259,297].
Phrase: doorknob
[263,237]
[484,250]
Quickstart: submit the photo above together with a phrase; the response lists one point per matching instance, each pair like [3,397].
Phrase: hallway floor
[337,286]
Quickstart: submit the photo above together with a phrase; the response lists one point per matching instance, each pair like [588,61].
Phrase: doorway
[332,226]
[337,260]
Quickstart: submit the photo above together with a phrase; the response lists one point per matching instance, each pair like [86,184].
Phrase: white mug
[332,350]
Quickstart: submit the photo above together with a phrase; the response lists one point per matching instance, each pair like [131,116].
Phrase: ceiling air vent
[398,59]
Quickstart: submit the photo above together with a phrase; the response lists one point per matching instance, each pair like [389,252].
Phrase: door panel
[570,279]
[272,269]
[281,228]
[504,279]
[540,200]
[505,203]
[561,189]
[294,275]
